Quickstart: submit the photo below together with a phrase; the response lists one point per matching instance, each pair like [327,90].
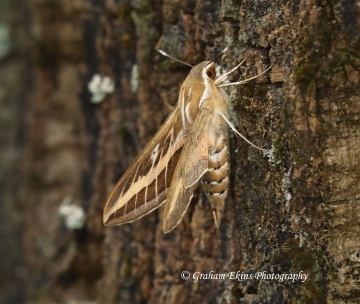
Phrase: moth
[191,147]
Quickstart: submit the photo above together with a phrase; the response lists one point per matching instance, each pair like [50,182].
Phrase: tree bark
[297,212]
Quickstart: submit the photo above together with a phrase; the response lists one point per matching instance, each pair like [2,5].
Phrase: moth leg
[238,133]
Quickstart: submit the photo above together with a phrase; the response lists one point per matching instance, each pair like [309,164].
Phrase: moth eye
[210,74]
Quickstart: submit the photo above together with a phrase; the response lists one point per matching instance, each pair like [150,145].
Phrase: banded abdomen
[216,179]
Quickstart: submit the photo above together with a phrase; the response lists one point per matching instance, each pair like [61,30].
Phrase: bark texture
[298,212]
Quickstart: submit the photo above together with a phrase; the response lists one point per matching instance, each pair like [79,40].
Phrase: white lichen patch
[285,187]
[73,215]
[99,87]
[6,40]
[271,156]
[134,80]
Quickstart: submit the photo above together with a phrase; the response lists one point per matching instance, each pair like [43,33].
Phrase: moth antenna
[171,57]
[242,81]
[224,51]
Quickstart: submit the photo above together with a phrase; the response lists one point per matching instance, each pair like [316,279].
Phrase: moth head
[205,70]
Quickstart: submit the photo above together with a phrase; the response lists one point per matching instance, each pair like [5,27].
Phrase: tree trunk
[294,213]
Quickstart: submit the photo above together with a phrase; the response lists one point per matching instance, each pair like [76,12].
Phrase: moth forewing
[192,165]
[143,187]
[194,161]
[177,201]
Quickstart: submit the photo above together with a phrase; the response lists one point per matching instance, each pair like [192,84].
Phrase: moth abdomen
[216,180]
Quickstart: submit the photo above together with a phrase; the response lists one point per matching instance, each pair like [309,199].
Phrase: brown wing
[193,163]
[143,187]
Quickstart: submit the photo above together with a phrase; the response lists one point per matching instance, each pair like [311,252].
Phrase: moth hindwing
[190,147]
